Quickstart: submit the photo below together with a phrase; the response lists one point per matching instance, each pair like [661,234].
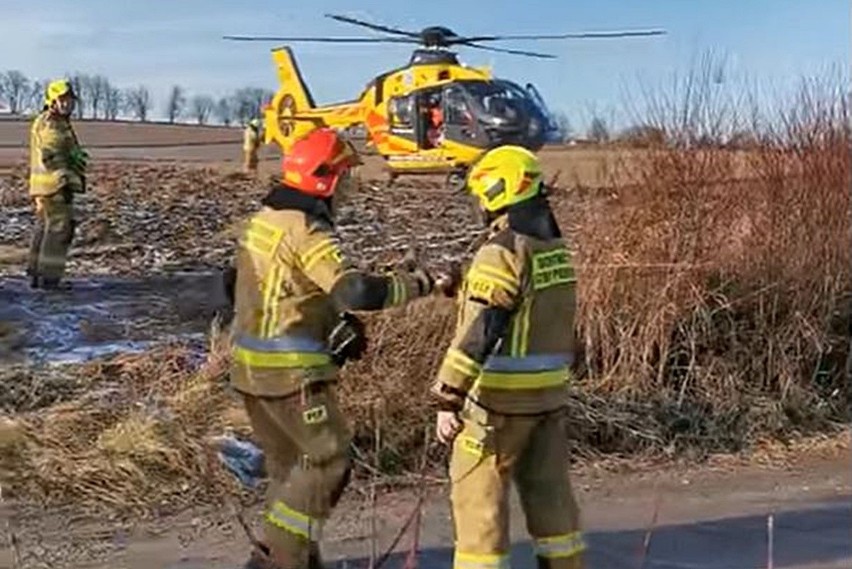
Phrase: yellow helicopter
[431,116]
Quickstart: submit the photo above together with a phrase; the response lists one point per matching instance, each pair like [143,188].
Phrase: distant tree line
[99,98]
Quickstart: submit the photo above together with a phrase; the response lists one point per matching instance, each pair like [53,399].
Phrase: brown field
[219,146]
[714,309]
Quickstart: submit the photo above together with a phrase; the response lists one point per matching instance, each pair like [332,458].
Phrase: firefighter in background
[292,331]
[57,172]
[251,146]
[501,387]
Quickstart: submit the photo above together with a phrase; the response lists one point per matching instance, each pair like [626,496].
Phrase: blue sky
[161,42]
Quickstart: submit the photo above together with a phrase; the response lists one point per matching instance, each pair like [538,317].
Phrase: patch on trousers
[472,446]
[315,415]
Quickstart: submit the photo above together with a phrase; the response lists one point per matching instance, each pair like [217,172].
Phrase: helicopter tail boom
[293,112]
[283,123]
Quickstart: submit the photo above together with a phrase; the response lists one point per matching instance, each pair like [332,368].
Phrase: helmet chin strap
[480,214]
[57,108]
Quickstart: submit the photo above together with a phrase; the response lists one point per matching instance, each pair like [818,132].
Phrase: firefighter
[292,291]
[251,146]
[501,387]
[57,172]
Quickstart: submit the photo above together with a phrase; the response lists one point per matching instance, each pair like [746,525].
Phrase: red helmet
[316,161]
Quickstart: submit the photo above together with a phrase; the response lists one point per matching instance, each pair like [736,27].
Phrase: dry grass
[138,439]
[726,302]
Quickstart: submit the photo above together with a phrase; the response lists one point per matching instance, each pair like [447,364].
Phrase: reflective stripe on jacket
[280,352]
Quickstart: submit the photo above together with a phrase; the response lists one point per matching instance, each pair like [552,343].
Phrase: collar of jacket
[285,197]
[498,224]
[532,218]
[55,117]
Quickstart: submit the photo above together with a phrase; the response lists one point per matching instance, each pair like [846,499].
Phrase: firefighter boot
[260,558]
[575,562]
[314,557]
[35,281]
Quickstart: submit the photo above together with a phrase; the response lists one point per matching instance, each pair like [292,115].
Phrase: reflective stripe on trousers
[565,545]
[290,520]
[463,560]
[280,351]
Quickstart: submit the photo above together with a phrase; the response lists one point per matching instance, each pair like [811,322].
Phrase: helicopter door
[430,119]
[459,119]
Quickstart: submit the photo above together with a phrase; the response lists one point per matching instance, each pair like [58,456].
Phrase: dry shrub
[387,390]
[714,285]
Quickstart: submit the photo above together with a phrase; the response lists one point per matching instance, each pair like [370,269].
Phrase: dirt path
[709,518]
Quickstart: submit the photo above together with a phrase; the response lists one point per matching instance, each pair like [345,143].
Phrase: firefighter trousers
[250,160]
[52,236]
[490,453]
[306,441]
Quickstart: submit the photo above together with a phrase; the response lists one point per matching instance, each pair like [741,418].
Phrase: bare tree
[249,101]
[201,106]
[564,124]
[14,89]
[224,111]
[95,89]
[79,82]
[113,100]
[176,103]
[138,101]
[598,131]
[642,136]
[37,92]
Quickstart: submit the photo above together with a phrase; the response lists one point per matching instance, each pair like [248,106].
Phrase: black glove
[348,339]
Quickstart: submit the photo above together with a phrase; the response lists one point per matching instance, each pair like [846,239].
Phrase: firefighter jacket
[514,342]
[52,143]
[251,139]
[292,283]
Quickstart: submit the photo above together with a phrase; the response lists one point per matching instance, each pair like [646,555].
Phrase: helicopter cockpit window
[498,99]
[456,107]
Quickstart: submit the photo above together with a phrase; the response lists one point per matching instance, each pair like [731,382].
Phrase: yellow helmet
[56,89]
[504,176]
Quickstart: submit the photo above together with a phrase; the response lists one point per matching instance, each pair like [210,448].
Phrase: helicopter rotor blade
[512,51]
[319,39]
[375,27]
[579,35]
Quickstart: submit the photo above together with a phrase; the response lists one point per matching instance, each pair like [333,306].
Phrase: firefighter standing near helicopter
[502,385]
[57,172]
[292,290]
[251,146]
